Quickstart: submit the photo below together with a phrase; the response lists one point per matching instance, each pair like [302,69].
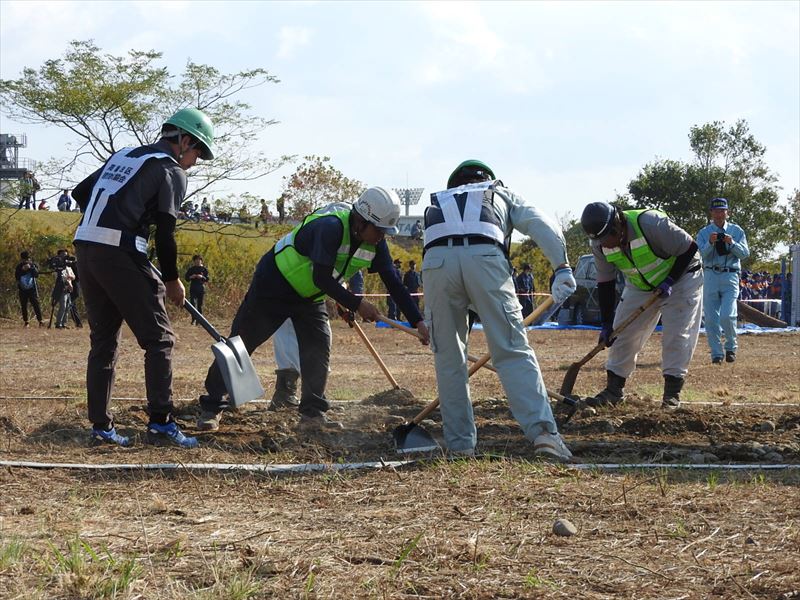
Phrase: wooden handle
[374,352]
[399,326]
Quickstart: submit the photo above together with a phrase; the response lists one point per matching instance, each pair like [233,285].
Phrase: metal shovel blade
[413,438]
[238,372]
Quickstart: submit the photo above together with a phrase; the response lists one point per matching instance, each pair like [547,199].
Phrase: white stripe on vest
[119,170]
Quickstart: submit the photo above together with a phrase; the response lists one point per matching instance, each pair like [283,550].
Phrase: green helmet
[469,169]
[195,122]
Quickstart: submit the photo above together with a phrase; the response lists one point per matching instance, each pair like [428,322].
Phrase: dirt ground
[475,529]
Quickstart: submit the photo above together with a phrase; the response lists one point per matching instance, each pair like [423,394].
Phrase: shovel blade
[413,438]
[569,379]
[238,372]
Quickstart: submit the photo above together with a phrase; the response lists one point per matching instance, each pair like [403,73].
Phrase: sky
[565,101]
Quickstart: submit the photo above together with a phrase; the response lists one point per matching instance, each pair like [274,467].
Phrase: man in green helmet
[136,188]
[465,266]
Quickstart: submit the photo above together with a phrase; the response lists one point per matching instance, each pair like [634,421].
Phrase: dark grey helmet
[597,219]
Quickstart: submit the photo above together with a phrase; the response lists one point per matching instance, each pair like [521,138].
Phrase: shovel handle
[400,326]
[375,354]
[198,316]
[540,310]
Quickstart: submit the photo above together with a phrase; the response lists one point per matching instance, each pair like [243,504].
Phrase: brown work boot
[208,420]
[319,424]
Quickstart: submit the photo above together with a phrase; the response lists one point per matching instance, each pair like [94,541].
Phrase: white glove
[563,285]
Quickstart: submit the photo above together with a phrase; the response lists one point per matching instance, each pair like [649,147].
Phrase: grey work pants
[680,316]
[478,276]
[255,322]
[117,286]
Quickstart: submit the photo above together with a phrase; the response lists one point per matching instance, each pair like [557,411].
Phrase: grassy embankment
[230,252]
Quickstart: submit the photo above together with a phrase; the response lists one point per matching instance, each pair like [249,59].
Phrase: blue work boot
[170,433]
[109,436]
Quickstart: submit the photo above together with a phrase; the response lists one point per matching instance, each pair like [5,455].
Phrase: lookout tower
[12,166]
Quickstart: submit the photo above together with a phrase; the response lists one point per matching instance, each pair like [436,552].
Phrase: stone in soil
[564,528]
[767,427]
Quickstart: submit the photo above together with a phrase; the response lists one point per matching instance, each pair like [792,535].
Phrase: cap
[719,203]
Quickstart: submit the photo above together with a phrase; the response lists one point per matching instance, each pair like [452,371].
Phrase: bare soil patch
[475,529]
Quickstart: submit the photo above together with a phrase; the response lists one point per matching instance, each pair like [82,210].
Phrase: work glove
[346,315]
[664,288]
[563,285]
[605,335]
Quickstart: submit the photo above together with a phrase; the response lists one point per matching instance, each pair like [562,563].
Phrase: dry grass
[471,529]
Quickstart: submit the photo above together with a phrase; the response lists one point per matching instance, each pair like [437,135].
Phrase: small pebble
[750,540]
[564,528]
[767,426]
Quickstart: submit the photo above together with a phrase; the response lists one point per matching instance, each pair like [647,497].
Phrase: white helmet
[381,207]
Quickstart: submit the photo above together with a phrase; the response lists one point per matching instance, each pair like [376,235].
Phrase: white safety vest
[463,211]
[118,171]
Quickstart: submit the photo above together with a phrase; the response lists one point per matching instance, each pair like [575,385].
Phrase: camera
[61,261]
[720,245]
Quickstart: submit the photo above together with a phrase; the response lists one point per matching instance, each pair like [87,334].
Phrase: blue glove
[563,285]
[664,288]
[605,335]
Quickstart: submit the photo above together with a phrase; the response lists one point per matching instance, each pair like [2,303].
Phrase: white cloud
[292,38]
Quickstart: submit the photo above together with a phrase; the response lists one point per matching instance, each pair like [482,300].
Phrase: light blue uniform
[721,287]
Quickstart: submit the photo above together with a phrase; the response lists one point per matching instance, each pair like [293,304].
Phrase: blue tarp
[747,328]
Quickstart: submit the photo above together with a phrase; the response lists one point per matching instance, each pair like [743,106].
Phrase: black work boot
[672,392]
[613,394]
[285,390]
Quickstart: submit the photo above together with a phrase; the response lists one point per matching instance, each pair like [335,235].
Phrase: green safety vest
[647,269]
[298,269]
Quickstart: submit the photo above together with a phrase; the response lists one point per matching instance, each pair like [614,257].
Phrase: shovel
[410,437]
[233,360]
[574,368]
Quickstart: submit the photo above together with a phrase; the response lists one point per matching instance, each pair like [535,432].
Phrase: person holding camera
[723,245]
[63,266]
[26,274]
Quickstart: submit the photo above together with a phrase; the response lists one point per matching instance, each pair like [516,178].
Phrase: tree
[728,162]
[316,183]
[109,102]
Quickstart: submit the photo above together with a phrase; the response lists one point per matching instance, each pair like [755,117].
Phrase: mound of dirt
[398,397]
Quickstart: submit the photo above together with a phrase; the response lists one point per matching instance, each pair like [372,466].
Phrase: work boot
[672,392]
[319,424]
[613,394]
[717,360]
[552,446]
[208,420]
[730,356]
[210,412]
[285,390]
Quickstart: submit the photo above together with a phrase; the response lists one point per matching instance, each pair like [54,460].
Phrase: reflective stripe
[120,169]
[443,219]
[107,236]
[646,270]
